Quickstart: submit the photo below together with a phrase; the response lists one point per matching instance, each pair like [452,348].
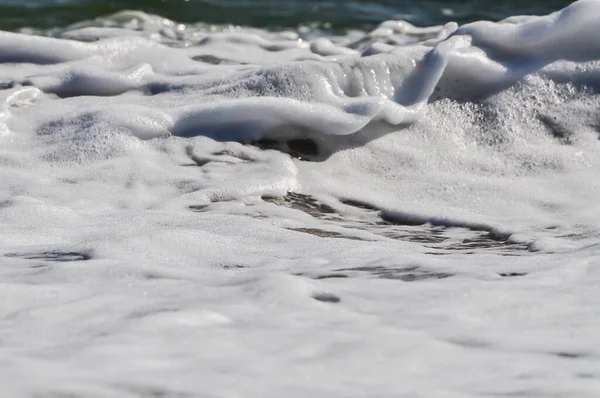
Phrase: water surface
[328,14]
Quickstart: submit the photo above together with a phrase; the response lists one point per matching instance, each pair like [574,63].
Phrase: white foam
[444,240]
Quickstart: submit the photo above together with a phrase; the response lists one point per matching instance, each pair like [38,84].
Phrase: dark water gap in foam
[53,255]
[431,233]
[406,274]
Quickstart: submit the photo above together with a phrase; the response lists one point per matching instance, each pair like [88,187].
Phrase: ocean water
[244,205]
[326,15]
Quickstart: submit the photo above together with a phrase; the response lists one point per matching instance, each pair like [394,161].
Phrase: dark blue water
[328,14]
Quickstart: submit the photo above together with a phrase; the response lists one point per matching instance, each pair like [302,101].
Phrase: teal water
[328,14]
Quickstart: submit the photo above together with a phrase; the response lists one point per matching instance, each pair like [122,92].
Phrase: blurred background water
[322,14]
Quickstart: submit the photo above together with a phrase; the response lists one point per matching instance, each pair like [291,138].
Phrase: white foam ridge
[349,91]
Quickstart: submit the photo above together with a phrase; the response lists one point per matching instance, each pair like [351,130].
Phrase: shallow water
[197,210]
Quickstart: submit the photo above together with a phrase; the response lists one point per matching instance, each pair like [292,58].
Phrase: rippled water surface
[331,14]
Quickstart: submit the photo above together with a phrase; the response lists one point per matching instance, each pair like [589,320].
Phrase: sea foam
[197,210]
[350,91]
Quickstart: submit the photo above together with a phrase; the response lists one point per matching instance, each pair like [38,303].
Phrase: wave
[512,98]
[319,86]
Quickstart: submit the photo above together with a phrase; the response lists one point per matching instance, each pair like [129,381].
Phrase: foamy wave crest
[281,86]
